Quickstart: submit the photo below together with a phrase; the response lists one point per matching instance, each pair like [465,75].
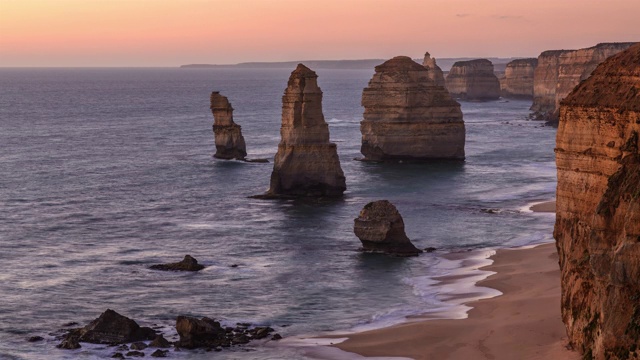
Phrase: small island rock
[187,264]
[228,135]
[473,80]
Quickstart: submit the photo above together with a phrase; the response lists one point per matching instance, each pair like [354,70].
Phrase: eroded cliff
[408,117]
[227,134]
[518,79]
[434,71]
[306,163]
[597,228]
[473,80]
[559,71]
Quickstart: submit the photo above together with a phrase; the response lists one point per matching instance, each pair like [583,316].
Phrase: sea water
[104,172]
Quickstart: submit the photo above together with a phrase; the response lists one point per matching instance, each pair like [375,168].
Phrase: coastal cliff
[473,80]
[559,71]
[434,71]
[597,228]
[227,134]
[518,79]
[408,117]
[306,164]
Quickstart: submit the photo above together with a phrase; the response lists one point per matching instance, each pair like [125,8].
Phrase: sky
[174,32]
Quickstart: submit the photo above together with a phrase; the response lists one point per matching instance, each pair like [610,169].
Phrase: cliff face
[597,226]
[306,163]
[518,79]
[473,80]
[559,71]
[408,117]
[434,71]
[228,135]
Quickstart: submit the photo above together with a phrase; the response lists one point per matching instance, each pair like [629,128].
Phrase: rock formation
[597,228]
[518,79]
[559,71]
[228,135]
[434,71]
[380,228]
[208,333]
[409,117]
[109,328]
[306,164]
[187,264]
[473,80]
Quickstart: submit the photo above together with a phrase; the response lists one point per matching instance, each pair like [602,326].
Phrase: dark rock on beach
[135,353]
[196,333]
[160,342]
[70,343]
[187,264]
[35,339]
[138,346]
[160,353]
[380,228]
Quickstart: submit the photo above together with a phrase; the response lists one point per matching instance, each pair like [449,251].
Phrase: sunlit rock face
[597,228]
[407,116]
[306,164]
[473,80]
[228,135]
[434,71]
[518,79]
[559,71]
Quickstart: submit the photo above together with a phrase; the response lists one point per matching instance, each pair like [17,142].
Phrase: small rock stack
[228,135]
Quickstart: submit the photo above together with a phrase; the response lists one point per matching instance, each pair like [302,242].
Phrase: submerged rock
[187,264]
[380,228]
[228,135]
[409,117]
[306,164]
[597,227]
[473,80]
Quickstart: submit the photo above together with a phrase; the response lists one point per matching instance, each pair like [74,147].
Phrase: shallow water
[108,171]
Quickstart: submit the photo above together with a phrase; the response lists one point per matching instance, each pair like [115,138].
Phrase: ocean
[105,172]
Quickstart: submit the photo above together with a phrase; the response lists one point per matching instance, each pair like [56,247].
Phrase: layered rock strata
[473,80]
[307,163]
[380,228]
[228,135]
[559,71]
[434,71]
[597,228]
[408,117]
[518,79]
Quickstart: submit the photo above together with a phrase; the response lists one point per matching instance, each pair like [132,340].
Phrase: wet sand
[549,206]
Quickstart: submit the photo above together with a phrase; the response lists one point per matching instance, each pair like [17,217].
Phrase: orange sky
[174,32]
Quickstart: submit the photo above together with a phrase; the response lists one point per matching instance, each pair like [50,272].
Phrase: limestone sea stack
[518,79]
[473,80]
[380,228]
[434,71]
[559,71]
[597,228]
[228,135]
[307,163]
[409,117]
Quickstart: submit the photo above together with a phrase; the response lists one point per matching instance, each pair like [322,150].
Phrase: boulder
[434,73]
[380,228]
[408,117]
[195,333]
[473,80]
[307,163]
[187,264]
[109,328]
[160,342]
[518,79]
[597,227]
[228,135]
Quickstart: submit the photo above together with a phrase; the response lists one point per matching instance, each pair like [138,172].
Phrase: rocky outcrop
[433,70]
[518,79]
[408,117]
[195,333]
[473,80]
[597,228]
[559,71]
[187,264]
[109,328]
[306,164]
[380,228]
[228,135]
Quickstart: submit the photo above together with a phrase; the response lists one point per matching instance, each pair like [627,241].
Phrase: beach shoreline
[522,323]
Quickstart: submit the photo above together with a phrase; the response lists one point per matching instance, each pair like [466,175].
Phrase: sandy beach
[548,206]
[523,323]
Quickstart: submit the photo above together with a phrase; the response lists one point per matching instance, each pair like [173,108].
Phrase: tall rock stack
[435,73]
[473,80]
[306,164]
[408,117]
[228,135]
[559,71]
[597,228]
[518,79]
